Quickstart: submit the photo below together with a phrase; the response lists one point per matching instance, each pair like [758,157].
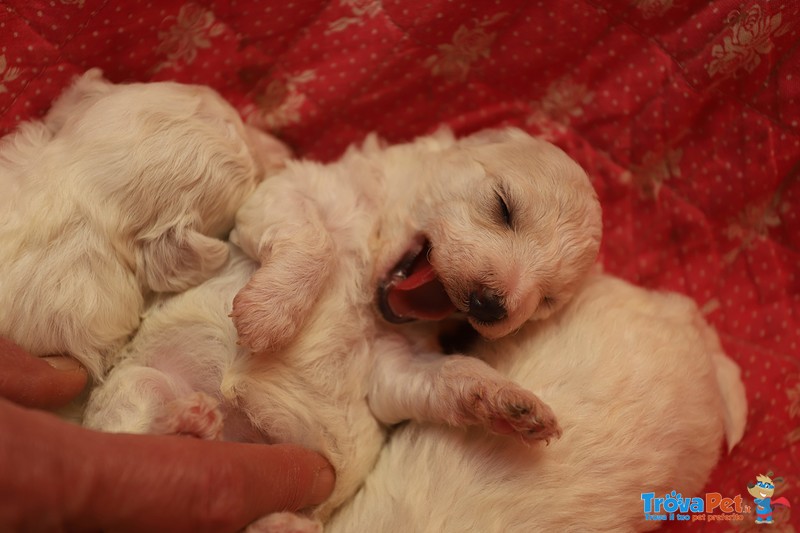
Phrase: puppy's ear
[179,259]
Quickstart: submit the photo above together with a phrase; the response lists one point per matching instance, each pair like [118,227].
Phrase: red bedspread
[686,113]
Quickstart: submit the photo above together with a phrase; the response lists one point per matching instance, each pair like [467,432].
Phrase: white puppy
[644,395]
[119,191]
[498,225]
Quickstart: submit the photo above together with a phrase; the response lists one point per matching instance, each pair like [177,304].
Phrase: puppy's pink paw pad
[196,415]
[284,523]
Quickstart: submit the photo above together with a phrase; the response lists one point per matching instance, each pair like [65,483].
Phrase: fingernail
[64,364]
[323,485]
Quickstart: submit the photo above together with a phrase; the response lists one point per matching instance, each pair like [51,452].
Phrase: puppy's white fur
[119,191]
[644,395]
[326,235]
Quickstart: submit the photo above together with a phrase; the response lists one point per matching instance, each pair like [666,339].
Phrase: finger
[62,477]
[184,484]
[44,383]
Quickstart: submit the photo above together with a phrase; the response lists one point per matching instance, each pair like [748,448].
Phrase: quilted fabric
[685,114]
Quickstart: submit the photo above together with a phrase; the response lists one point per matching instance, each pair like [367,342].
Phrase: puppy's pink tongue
[422,273]
[421,295]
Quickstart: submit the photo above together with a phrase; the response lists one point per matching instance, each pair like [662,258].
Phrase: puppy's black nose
[486,306]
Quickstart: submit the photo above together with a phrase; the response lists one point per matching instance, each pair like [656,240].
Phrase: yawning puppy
[644,395]
[499,226]
[119,191]
[503,235]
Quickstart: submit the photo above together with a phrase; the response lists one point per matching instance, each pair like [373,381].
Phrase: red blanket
[686,113]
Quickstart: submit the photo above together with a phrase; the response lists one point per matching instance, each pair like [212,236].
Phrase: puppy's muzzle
[486,306]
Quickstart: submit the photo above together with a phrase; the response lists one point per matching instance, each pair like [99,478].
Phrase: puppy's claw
[518,411]
[544,433]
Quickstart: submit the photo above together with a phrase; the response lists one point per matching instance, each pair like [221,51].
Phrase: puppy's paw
[498,404]
[515,411]
[284,523]
[196,415]
[262,323]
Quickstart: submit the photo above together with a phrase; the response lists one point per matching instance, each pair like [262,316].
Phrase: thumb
[44,383]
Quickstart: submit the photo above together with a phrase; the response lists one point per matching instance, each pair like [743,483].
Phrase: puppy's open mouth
[412,289]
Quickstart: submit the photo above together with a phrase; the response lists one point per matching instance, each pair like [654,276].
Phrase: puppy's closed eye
[504,212]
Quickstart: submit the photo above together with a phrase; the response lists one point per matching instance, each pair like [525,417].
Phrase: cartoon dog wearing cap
[762,492]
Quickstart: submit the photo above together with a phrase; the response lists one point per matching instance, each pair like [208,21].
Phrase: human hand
[59,476]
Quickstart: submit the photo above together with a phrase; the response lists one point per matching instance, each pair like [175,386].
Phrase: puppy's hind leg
[141,399]
[455,390]
[129,399]
[196,415]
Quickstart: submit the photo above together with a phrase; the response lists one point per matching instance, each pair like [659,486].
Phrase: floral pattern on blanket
[751,37]
[8,74]
[188,32]
[685,114]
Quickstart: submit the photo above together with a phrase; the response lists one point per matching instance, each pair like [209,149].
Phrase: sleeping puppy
[499,226]
[120,191]
[644,396]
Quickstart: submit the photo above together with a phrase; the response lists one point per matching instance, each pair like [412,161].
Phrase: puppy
[120,191]
[644,395]
[499,226]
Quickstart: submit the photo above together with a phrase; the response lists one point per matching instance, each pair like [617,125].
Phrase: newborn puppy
[644,395]
[498,225]
[121,190]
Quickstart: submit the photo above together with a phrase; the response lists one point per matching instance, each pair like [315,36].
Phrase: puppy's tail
[729,382]
[733,397]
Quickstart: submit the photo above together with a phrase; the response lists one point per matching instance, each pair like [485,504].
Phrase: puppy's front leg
[297,254]
[454,390]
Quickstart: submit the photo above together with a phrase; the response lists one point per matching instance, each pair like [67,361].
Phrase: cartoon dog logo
[762,492]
